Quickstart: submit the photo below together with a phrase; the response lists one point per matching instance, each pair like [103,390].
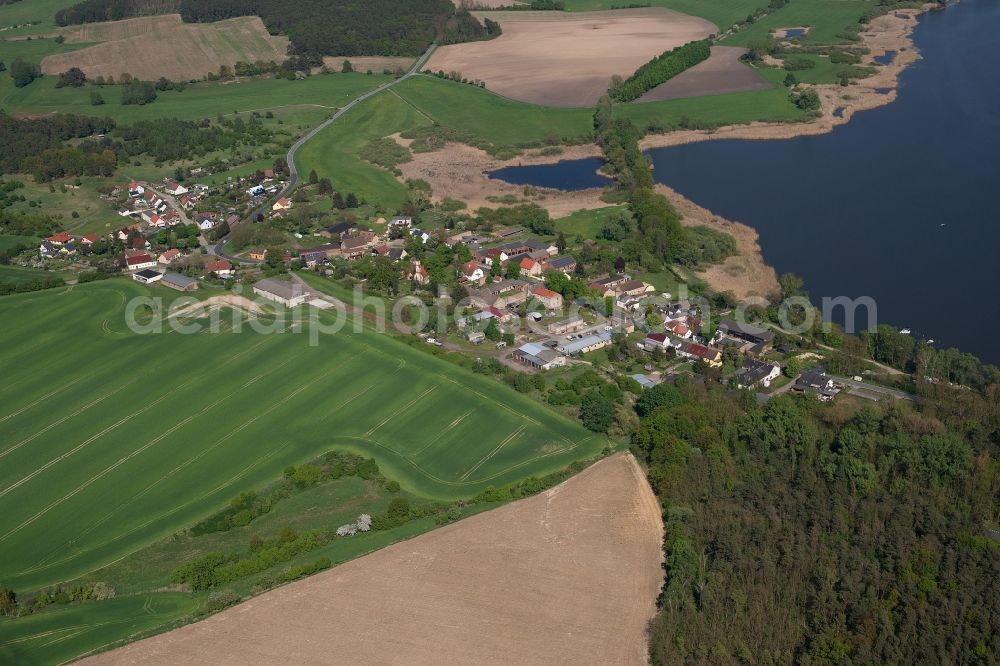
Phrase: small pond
[568,175]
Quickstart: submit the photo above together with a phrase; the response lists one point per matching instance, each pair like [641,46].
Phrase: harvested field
[485,4]
[721,73]
[564,59]
[155,46]
[377,64]
[568,576]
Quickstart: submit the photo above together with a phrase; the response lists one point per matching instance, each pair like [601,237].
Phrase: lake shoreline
[460,172]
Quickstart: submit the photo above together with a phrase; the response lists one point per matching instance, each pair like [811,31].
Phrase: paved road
[862,388]
[220,249]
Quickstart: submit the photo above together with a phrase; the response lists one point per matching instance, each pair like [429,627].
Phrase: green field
[112,440]
[203,100]
[15,274]
[38,12]
[7,241]
[61,635]
[825,18]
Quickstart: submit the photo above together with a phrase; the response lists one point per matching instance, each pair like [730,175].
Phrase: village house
[422,235]
[60,239]
[817,382]
[473,273]
[284,203]
[530,267]
[258,254]
[548,298]
[538,356]
[693,350]
[147,276]
[89,239]
[175,189]
[401,222]
[564,264]
[222,268]
[633,288]
[135,189]
[47,250]
[500,294]
[139,261]
[313,257]
[338,229]
[179,282]
[280,291]
[678,329]
[168,256]
[756,372]
[654,341]
[354,247]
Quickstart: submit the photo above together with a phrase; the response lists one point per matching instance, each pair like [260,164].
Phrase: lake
[897,205]
[568,175]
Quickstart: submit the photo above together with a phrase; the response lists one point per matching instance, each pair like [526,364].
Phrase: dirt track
[567,59]
[568,576]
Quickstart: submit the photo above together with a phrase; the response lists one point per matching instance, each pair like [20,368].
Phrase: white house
[175,189]
[139,261]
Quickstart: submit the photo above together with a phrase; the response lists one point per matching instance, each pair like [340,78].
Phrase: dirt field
[721,73]
[155,46]
[563,59]
[568,576]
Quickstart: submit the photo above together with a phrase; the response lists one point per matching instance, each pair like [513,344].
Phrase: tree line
[660,69]
[657,232]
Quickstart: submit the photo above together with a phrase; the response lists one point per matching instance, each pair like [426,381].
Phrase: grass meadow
[202,100]
[112,440]
[38,13]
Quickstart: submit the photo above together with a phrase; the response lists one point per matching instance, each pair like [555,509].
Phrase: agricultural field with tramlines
[110,440]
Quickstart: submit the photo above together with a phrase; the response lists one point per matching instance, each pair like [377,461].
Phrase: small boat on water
[905,331]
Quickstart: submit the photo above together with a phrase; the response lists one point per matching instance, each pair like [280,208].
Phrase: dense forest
[315,27]
[801,532]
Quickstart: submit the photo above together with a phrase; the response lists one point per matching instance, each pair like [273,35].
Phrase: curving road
[293,173]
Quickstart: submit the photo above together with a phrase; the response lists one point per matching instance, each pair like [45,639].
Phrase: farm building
[179,282]
[147,276]
[139,261]
[564,326]
[588,344]
[538,356]
[280,291]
